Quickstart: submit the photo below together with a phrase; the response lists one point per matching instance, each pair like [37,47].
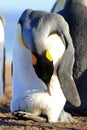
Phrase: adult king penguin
[75,13]
[43,58]
[2,56]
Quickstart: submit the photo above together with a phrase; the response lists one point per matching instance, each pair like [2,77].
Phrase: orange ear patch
[34,59]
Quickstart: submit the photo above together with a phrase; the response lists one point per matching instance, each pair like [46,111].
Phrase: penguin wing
[65,69]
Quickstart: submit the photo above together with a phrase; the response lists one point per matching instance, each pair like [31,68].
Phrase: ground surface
[7,120]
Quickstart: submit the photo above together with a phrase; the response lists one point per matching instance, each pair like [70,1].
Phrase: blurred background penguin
[2,56]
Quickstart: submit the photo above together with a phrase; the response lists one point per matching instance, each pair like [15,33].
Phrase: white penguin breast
[56,47]
[1,31]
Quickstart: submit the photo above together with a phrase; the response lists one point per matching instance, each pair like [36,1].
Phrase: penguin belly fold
[40,102]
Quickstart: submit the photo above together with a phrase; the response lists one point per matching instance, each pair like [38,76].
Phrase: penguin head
[43,65]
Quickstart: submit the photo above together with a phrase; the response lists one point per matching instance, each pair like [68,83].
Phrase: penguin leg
[66,117]
[28,116]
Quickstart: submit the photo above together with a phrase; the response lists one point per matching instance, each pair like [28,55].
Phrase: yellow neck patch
[34,59]
[20,36]
[48,56]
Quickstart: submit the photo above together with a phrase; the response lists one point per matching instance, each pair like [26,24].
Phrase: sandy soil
[8,121]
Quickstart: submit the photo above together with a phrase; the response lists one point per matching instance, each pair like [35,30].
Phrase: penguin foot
[28,116]
[66,117]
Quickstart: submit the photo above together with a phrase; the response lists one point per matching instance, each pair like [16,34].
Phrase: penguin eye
[48,56]
[34,59]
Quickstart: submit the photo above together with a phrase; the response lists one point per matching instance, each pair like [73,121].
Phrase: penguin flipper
[65,73]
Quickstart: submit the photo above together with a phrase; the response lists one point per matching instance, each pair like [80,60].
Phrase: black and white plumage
[75,13]
[43,58]
[2,56]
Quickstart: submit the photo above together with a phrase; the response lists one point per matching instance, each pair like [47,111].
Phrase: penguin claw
[28,116]
[66,117]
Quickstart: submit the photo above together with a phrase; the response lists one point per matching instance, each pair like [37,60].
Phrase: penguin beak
[48,89]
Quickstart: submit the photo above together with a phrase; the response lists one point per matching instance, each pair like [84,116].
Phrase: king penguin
[43,58]
[2,56]
[75,13]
